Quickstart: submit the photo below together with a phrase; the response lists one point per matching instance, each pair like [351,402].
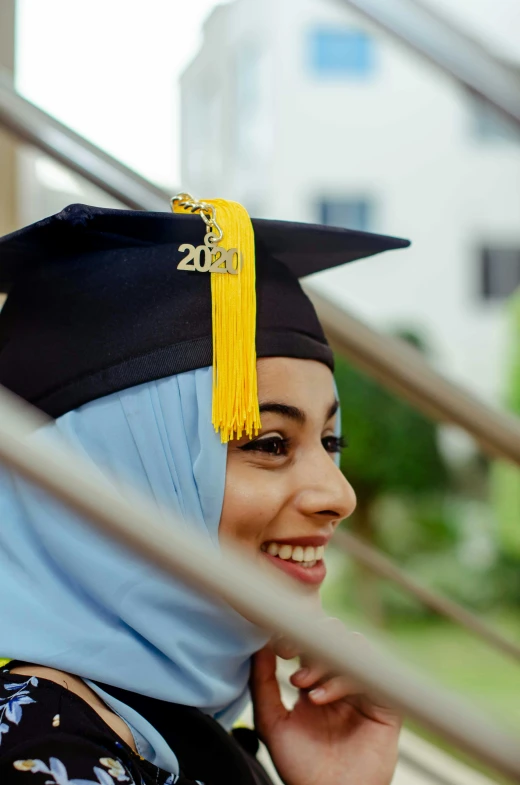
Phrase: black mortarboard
[97,304]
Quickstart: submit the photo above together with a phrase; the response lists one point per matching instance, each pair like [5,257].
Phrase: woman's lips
[312,575]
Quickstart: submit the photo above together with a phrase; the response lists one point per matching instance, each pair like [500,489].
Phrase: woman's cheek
[250,506]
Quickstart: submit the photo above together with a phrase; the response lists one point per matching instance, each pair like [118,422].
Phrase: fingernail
[302,674]
[317,694]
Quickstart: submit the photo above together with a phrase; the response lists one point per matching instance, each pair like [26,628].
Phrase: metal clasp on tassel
[210,257]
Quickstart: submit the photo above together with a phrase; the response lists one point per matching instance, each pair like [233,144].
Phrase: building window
[347,213]
[499,272]
[489,124]
[344,52]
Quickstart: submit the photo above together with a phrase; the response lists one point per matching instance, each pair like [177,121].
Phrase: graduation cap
[101,300]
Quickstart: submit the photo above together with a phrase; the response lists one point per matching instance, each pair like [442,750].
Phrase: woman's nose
[327,494]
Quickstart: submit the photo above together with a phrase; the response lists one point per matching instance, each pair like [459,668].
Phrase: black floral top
[50,736]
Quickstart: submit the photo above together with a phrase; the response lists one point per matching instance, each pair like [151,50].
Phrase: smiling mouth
[304,556]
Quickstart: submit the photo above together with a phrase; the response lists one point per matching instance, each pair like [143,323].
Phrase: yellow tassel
[235,393]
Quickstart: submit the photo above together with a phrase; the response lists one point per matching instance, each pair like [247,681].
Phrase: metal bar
[451,49]
[403,369]
[36,127]
[258,593]
[384,567]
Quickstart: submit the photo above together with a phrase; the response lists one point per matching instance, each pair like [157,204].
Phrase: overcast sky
[109,68]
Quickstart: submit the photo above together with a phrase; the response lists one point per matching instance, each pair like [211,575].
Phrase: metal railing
[451,49]
[403,369]
[37,128]
[384,567]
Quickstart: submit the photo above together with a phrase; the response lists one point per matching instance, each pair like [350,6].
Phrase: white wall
[404,136]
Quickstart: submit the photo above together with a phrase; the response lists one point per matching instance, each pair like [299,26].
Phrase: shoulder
[51,736]
[43,729]
[73,684]
[24,704]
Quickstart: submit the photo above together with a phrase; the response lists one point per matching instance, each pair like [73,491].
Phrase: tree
[506,476]
[392,450]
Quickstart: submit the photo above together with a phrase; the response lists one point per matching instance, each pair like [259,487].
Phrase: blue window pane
[347,213]
[341,52]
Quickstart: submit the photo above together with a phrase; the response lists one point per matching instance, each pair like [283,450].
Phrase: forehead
[305,383]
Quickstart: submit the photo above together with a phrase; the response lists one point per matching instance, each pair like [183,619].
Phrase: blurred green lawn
[462,662]
[446,652]
[456,659]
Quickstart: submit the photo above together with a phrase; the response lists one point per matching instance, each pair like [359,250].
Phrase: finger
[314,674]
[333,690]
[309,675]
[265,692]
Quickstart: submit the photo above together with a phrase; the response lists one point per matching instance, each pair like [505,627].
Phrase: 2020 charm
[201,259]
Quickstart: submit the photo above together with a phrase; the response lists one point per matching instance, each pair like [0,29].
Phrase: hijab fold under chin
[76,601]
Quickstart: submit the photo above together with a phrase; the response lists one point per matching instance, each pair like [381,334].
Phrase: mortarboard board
[97,302]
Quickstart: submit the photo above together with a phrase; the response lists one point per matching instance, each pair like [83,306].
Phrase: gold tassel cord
[233,296]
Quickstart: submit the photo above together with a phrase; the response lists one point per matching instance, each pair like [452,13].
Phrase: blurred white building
[303,110]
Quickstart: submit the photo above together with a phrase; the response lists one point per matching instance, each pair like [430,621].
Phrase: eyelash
[276,446]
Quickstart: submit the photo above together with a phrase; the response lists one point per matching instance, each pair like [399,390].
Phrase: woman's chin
[311,577]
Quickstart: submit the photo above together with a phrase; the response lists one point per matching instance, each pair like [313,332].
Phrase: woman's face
[284,494]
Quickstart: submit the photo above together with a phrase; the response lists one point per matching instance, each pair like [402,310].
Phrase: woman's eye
[272,445]
[334,443]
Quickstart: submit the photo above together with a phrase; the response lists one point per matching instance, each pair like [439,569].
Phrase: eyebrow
[293,412]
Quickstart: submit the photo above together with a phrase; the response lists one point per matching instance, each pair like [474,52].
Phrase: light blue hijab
[74,600]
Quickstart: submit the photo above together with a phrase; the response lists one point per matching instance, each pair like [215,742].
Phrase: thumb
[265,692]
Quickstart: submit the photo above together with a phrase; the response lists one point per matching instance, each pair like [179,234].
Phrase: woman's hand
[334,735]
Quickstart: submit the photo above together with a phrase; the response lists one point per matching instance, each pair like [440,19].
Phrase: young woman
[115,672]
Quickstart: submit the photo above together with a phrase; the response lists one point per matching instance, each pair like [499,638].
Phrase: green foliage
[513,393]
[505,476]
[422,525]
[393,448]
[411,507]
[505,488]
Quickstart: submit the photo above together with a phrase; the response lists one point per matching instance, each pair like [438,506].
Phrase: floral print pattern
[58,772]
[115,768]
[11,706]
[41,732]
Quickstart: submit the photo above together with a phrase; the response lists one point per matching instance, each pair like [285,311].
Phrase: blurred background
[315,110]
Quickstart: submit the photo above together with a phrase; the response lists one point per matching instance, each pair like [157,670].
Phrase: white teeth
[297,553]
[307,557]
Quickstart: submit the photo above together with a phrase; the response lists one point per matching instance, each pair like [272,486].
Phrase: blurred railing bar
[36,127]
[402,368]
[381,565]
[164,540]
[448,47]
